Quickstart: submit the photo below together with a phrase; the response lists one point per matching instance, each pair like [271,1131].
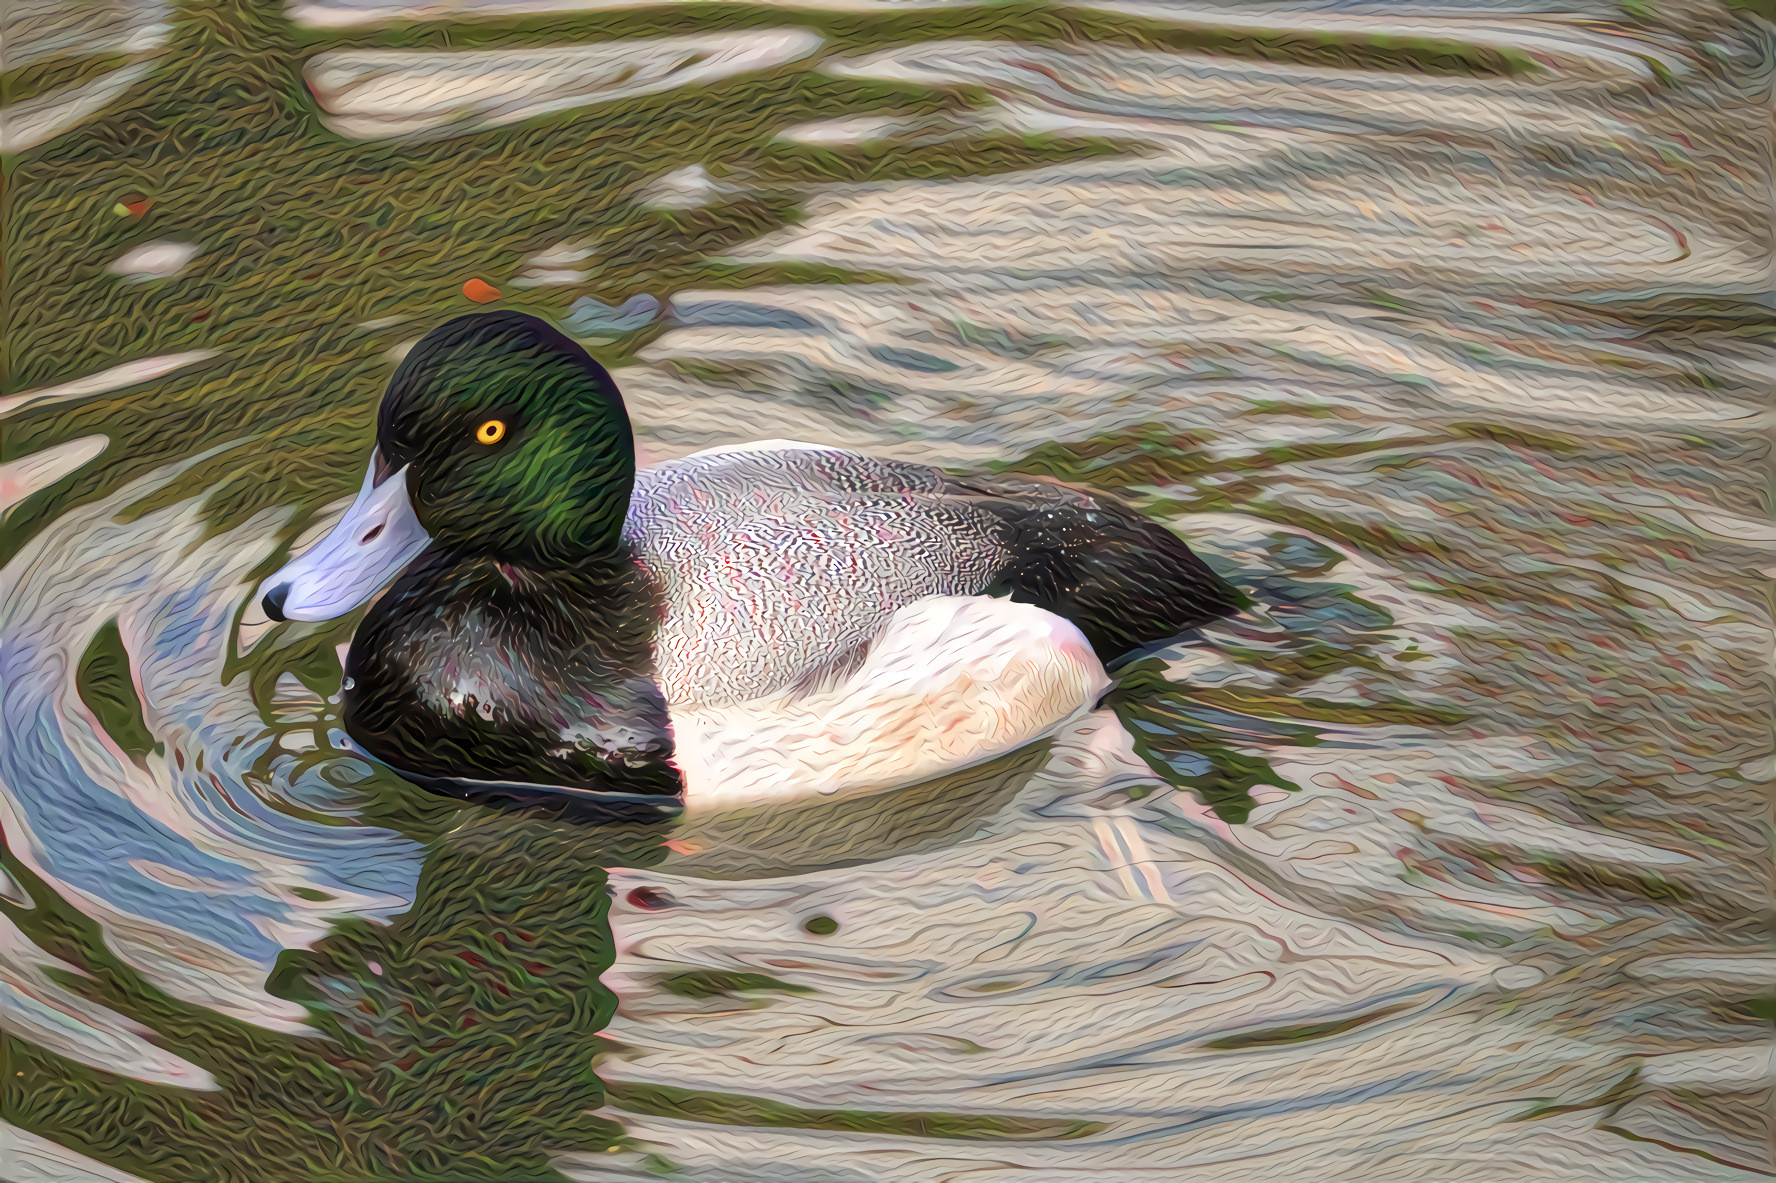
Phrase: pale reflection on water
[1446,868]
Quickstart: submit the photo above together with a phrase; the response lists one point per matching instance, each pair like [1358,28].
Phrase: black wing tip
[1126,580]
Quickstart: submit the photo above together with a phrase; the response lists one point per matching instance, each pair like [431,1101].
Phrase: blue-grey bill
[378,536]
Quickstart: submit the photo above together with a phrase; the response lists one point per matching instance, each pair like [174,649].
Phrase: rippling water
[1441,862]
[207,856]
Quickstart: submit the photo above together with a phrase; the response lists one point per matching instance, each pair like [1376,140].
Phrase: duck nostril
[273,603]
[371,536]
[649,899]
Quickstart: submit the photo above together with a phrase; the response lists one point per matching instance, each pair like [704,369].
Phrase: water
[1449,867]
[206,857]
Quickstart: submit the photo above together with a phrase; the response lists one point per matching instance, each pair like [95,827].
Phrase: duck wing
[780,562]
[1125,580]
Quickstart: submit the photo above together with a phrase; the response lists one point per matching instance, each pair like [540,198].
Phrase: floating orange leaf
[480,291]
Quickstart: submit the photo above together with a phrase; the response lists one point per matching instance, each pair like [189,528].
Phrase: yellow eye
[491,432]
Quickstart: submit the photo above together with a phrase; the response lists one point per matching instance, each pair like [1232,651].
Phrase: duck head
[498,436]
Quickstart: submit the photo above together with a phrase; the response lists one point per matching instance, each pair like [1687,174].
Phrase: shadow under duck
[742,625]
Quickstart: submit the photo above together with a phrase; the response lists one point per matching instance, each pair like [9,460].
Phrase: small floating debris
[133,205]
[587,317]
[480,291]
[155,260]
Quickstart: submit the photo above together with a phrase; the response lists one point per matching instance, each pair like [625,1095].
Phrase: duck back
[469,667]
[780,562]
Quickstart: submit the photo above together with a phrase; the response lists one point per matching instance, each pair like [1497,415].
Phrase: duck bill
[378,536]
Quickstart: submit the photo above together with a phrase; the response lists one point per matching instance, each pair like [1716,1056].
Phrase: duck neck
[581,526]
[609,603]
[593,551]
[473,667]
[598,582]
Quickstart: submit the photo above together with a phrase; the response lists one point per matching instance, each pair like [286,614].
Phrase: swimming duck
[744,625]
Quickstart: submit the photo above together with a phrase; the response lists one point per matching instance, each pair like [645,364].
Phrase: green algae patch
[105,685]
[1280,1036]
[658,1100]
[56,73]
[718,984]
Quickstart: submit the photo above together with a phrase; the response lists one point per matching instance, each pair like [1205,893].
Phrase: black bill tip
[273,603]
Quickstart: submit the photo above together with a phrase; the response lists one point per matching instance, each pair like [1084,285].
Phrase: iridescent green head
[515,442]
[498,436]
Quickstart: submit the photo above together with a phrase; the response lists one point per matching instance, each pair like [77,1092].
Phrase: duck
[745,626]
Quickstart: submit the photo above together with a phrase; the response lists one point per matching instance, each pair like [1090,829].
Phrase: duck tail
[1126,581]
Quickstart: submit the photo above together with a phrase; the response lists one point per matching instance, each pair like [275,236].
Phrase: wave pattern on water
[204,859]
[1433,864]
[1432,330]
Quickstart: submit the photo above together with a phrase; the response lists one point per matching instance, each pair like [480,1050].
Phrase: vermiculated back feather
[777,563]
[780,563]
